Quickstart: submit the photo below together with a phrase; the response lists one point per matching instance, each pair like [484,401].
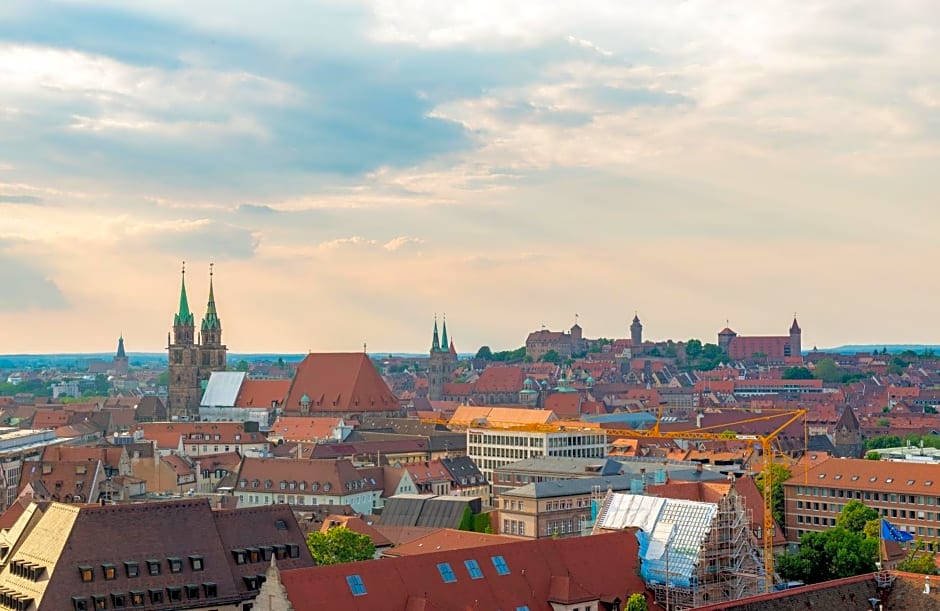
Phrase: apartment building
[558,508]
[906,493]
[493,448]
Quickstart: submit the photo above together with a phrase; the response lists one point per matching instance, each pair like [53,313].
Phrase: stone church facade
[191,362]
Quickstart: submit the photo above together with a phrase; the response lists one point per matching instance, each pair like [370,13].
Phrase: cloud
[401,242]
[25,285]
[20,199]
[203,238]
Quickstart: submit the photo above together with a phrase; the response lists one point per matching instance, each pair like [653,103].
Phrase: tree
[872,455]
[636,602]
[339,545]
[883,422]
[828,371]
[484,353]
[693,348]
[711,352]
[827,555]
[855,515]
[778,475]
[164,378]
[242,365]
[551,357]
[918,561]
[797,373]
[102,384]
[280,362]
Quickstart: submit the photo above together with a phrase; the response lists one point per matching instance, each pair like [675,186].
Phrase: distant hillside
[892,348]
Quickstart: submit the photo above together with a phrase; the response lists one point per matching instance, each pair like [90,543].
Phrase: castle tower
[796,338]
[724,339]
[443,363]
[636,334]
[212,352]
[183,399]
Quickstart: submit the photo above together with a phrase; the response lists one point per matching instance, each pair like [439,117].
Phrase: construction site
[692,553]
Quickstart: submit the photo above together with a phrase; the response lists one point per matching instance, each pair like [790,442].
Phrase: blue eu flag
[890,531]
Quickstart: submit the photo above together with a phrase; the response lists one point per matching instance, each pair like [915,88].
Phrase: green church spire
[184,316]
[444,343]
[435,341]
[211,321]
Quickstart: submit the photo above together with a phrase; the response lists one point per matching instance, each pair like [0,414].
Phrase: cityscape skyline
[362,165]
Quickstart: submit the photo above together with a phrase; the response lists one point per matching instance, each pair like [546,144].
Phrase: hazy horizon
[355,167]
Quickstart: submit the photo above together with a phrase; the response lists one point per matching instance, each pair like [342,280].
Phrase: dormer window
[175,564]
[109,571]
[239,555]
[195,563]
[192,592]
[132,569]
[87,573]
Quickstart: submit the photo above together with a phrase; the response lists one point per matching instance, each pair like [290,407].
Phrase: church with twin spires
[190,361]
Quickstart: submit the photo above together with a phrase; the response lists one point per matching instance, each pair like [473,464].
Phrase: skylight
[474,569]
[447,573]
[910,482]
[889,480]
[500,563]
[355,585]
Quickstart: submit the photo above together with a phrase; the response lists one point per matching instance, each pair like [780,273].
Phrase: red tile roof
[261,393]
[415,581]
[446,539]
[304,428]
[500,379]
[340,382]
[167,434]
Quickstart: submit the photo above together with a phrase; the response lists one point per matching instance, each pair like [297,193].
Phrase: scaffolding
[691,553]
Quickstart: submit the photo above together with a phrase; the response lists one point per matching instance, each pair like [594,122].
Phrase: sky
[354,168]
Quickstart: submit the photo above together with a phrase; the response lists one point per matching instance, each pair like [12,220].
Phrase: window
[174,594]
[109,571]
[153,567]
[175,564]
[355,585]
[474,569]
[211,590]
[156,596]
[447,573]
[293,550]
[118,600]
[137,598]
[239,555]
[523,608]
[280,524]
[192,591]
[195,563]
[87,573]
[500,563]
[80,603]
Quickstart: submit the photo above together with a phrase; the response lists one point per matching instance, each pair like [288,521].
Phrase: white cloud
[401,242]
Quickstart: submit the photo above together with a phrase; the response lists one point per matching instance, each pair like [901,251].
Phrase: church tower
[119,362]
[443,363]
[212,352]
[183,399]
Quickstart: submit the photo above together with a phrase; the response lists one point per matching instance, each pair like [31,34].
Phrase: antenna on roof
[364,346]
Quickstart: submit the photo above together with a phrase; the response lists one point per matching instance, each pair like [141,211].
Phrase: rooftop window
[211,590]
[473,568]
[889,480]
[192,591]
[910,482]
[87,573]
[928,483]
[837,476]
[109,571]
[80,603]
[137,598]
[280,524]
[132,569]
[195,563]
[523,608]
[239,555]
[822,476]
[873,479]
[118,600]
[293,550]
[355,585]
[175,564]
[500,563]
[174,594]
[99,601]
[156,596]
[854,478]
[153,567]
[447,573]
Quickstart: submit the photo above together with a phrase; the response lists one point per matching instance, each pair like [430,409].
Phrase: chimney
[698,419]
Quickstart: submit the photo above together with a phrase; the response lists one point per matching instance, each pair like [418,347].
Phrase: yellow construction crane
[708,433]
